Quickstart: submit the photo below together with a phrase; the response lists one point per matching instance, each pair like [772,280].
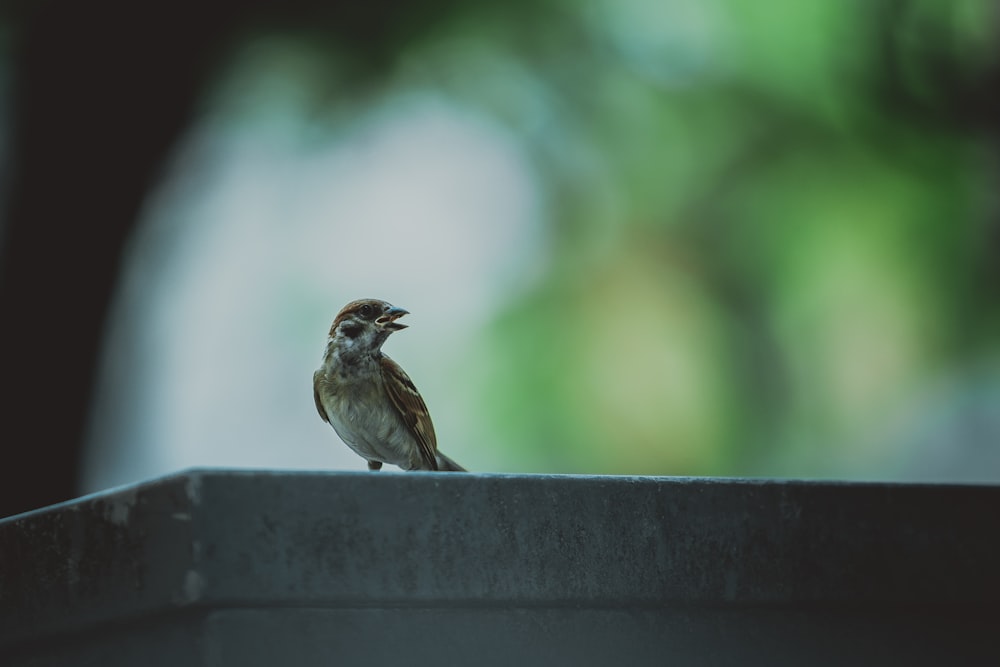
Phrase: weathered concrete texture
[262,568]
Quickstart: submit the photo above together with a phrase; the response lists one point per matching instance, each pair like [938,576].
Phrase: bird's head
[363,325]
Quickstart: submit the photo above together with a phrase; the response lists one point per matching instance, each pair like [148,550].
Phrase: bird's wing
[319,403]
[411,408]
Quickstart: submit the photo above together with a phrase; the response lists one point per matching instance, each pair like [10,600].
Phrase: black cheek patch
[351,330]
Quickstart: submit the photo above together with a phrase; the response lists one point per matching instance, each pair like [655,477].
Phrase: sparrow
[368,399]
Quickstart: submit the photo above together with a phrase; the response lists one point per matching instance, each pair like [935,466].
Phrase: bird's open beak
[388,319]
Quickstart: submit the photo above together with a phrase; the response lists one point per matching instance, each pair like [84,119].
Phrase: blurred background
[658,237]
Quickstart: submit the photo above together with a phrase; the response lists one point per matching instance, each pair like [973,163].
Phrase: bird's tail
[447,465]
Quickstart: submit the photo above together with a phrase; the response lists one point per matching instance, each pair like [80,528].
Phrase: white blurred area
[267,220]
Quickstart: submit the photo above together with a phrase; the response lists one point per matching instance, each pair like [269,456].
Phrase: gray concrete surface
[218,567]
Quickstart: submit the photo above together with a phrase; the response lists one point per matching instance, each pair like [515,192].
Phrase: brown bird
[368,399]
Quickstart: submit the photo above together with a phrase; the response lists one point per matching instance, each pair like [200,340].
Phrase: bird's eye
[366,311]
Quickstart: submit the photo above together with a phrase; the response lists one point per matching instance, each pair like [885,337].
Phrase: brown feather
[352,308]
[319,403]
[411,408]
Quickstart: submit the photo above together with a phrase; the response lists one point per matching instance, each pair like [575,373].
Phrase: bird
[368,399]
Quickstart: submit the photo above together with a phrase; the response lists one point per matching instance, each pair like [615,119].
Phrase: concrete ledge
[217,567]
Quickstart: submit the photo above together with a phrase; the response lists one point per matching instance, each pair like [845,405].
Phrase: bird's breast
[363,416]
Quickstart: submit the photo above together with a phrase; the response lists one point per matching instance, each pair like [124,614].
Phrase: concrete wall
[282,568]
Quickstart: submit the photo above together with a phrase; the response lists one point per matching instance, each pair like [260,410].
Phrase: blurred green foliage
[774,231]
